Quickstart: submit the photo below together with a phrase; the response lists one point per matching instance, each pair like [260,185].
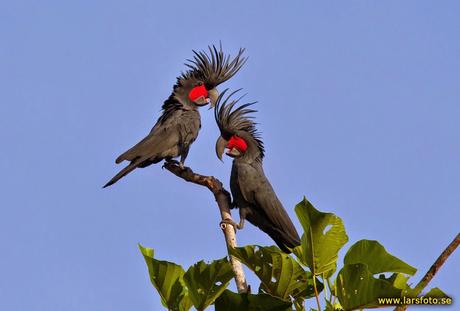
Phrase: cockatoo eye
[197,92]
[238,143]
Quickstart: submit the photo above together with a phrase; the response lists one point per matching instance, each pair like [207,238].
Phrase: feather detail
[237,121]
[213,68]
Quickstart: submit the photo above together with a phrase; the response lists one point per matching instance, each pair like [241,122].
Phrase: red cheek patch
[197,92]
[238,143]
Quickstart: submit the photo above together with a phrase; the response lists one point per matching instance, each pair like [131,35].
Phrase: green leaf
[280,274]
[299,304]
[436,292]
[378,260]
[230,301]
[357,288]
[398,280]
[329,306]
[206,282]
[333,307]
[323,237]
[166,277]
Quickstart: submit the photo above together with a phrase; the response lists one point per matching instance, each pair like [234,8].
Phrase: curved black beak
[213,97]
[221,143]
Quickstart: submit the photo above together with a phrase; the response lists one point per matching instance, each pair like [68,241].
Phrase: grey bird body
[178,126]
[252,192]
[258,203]
[169,138]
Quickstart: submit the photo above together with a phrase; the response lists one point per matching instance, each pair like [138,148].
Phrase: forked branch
[223,200]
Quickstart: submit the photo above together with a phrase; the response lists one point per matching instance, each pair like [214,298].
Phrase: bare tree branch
[434,268]
[223,200]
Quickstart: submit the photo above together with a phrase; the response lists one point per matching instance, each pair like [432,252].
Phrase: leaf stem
[313,272]
[328,281]
[335,291]
[325,290]
[316,293]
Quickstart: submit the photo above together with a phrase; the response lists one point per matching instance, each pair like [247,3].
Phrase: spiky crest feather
[212,69]
[233,121]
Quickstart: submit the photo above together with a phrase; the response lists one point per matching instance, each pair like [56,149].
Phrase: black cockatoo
[177,127]
[252,193]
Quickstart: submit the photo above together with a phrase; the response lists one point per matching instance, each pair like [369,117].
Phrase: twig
[223,200]
[434,268]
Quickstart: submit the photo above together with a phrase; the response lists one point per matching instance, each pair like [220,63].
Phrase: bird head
[238,134]
[198,85]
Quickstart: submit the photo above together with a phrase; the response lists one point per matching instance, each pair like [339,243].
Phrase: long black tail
[285,236]
[283,239]
[125,171]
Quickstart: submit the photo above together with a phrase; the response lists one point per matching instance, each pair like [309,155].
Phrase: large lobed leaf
[230,301]
[357,288]
[166,277]
[206,282]
[377,259]
[279,273]
[323,237]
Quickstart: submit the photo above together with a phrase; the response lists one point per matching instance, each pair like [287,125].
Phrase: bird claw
[174,162]
[228,221]
[168,163]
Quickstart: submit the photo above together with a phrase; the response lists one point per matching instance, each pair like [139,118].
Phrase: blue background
[358,105]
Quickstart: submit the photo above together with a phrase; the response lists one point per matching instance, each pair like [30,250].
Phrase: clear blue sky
[359,109]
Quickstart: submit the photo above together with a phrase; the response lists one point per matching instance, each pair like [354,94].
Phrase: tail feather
[283,239]
[127,155]
[125,171]
[140,149]
[284,236]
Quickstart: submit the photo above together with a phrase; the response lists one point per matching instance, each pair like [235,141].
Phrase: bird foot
[171,161]
[174,162]
[228,221]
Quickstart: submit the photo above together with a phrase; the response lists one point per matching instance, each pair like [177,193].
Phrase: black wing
[268,213]
[163,137]
[162,141]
